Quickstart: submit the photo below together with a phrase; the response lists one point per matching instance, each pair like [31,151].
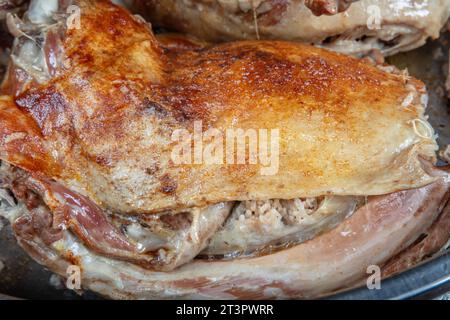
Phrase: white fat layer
[256,224]
[6,198]
[145,239]
[11,213]
[115,277]
[8,207]
[31,59]
[41,11]
[361,41]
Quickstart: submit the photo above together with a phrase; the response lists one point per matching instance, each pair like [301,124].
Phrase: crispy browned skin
[103,125]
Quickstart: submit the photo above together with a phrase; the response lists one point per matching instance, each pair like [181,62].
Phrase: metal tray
[21,277]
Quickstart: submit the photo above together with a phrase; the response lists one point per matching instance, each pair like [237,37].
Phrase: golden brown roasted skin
[102,124]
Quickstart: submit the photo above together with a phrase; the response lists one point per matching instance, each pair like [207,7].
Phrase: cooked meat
[430,242]
[7,7]
[104,126]
[86,129]
[150,242]
[403,25]
[11,6]
[256,227]
[328,7]
[377,231]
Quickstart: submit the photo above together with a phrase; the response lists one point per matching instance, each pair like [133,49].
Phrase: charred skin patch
[153,169]
[179,221]
[154,108]
[44,105]
[168,184]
